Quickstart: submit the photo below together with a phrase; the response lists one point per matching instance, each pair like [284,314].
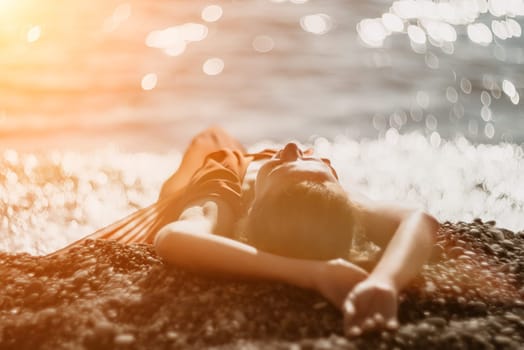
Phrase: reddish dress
[214,165]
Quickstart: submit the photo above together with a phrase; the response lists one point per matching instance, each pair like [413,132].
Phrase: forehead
[314,170]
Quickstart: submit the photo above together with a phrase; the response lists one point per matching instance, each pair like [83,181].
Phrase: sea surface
[77,74]
[99,98]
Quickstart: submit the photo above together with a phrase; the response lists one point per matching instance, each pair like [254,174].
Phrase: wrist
[384,280]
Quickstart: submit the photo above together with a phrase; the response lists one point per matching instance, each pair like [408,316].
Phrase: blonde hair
[306,220]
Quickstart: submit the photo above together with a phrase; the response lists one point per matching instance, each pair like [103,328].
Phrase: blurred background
[146,75]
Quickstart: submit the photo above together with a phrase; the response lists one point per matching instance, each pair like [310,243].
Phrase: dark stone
[478,306]
[455,252]
[502,340]
[474,233]
[508,244]
[436,321]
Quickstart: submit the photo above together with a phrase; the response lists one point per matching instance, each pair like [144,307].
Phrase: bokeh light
[149,81]
[212,13]
[175,39]
[416,34]
[372,32]
[439,19]
[479,33]
[33,34]
[319,23]
[213,66]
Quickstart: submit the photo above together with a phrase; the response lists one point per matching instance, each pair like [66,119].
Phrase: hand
[335,278]
[371,305]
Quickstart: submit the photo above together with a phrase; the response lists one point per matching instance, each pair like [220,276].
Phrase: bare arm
[408,249]
[407,237]
[189,244]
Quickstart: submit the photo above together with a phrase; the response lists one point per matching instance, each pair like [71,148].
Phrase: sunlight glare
[479,33]
[213,66]
[514,27]
[489,130]
[372,32]
[212,13]
[319,23]
[406,9]
[500,30]
[176,48]
[416,34]
[392,22]
[509,88]
[149,81]
[174,40]
[441,19]
[33,34]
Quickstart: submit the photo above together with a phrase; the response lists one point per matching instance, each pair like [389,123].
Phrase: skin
[368,301]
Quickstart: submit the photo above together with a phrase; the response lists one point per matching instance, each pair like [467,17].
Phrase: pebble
[503,340]
[430,287]
[425,327]
[507,330]
[478,305]
[511,317]
[171,335]
[508,244]
[103,328]
[455,252]
[436,321]
[497,234]
[47,313]
[495,248]
[457,289]
[475,233]
[124,339]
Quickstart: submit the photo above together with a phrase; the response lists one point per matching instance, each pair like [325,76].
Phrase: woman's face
[289,166]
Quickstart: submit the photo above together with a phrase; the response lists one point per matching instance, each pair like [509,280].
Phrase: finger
[392,324]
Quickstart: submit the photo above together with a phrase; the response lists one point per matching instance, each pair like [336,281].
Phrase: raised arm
[407,237]
[189,243]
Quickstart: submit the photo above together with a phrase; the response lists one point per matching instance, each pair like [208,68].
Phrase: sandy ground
[106,295]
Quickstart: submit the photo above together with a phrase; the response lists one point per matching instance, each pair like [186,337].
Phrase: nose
[290,152]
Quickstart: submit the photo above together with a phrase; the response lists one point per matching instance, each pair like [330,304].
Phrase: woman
[288,219]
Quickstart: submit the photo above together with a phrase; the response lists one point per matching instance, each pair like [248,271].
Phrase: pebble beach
[106,295]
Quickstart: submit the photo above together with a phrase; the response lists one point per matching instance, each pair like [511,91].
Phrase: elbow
[170,245]
[161,242]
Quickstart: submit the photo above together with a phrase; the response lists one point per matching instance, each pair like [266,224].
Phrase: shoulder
[380,219]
